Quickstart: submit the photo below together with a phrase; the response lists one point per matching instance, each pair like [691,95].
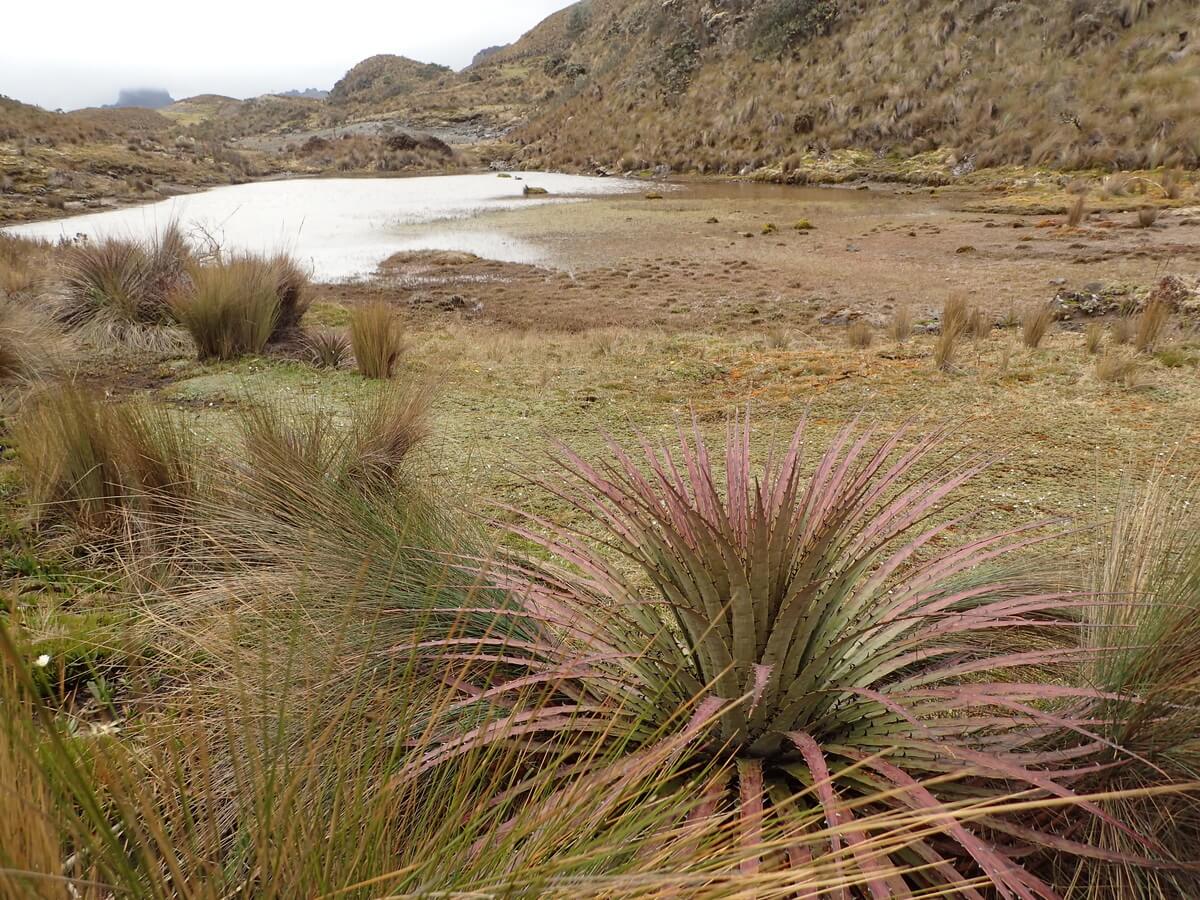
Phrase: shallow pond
[344,227]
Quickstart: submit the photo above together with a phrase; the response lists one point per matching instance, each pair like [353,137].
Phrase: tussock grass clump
[860,335]
[1147,216]
[21,260]
[1077,212]
[230,309]
[979,324]
[1035,323]
[376,335]
[292,285]
[1150,325]
[31,344]
[1117,368]
[901,326]
[1116,185]
[953,327]
[387,429]
[1172,185]
[1123,330]
[1143,642]
[100,465]
[328,348]
[118,291]
[1093,338]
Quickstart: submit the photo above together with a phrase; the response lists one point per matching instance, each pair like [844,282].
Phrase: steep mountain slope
[741,85]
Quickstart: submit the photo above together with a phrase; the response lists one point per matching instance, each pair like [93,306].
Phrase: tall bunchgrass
[117,291]
[377,338]
[953,326]
[901,326]
[860,335]
[31,344]
[230,309]
[1145,568]
[268,778]
[1035,324]
[99,465]
[1151,323]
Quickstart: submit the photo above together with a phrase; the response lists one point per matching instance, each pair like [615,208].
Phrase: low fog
[235,48]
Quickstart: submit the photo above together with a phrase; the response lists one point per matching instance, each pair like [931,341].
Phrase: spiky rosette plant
[854,649]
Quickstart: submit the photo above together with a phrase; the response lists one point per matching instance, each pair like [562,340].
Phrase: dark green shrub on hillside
[782,25]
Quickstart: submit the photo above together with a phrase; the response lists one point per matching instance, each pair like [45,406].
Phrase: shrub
[119,291]
[1147,216]
[1035,323]
[859,335]
[230,309]
[377,339]
[780,26]
[101,465]
[814,621]
[1093,338]
[1150,324]
[901,325]
[328,348]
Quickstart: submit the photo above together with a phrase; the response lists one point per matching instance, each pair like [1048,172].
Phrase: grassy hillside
[755,84]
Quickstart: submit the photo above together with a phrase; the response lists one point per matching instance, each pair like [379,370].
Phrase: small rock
[965,248]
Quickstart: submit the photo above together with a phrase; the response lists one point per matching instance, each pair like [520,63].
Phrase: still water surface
[344,227]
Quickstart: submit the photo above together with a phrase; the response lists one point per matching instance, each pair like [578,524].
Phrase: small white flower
[42,661]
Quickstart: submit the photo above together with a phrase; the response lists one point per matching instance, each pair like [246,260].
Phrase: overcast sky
[72,53]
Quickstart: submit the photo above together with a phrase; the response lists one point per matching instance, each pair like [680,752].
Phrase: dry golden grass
[230,309]
[894,86]
[387,429]
[1035,323]
[1093,338]
[1117,368]
[1077,212]
[954,326]
[859,335]
[31,344]
[979,324]
[96,464]
[27,835]
[901,326]
[1150,324]
[1172,185]
[1123,329]
[377,338]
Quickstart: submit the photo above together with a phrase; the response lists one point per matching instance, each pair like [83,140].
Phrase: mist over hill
[142,98]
